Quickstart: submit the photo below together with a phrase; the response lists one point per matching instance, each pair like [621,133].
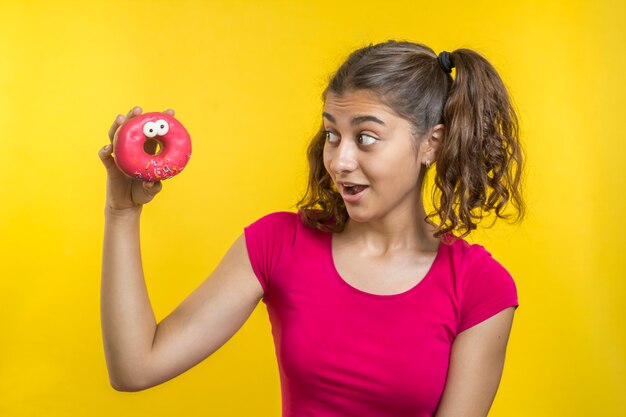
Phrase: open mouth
[351,193]
[354,189]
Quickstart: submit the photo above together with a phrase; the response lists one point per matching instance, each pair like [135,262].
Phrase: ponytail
[479,164]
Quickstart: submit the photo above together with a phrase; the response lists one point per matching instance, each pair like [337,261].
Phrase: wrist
[129,213]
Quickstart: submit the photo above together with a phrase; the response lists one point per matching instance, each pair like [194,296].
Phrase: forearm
[128,321]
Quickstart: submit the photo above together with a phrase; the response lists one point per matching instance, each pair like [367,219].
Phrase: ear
[431,142]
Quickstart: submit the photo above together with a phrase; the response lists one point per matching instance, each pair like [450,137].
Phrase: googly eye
[150,129]
[162,127]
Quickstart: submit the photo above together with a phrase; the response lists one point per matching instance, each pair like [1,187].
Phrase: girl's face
[371,156]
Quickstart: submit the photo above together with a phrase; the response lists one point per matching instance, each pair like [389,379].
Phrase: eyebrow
[357,120]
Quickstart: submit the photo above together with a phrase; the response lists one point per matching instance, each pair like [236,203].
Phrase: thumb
[152,188]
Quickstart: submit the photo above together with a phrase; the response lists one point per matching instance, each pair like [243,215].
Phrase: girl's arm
[476,364]
[139,353]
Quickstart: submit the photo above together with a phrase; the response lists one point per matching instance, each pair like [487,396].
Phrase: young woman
[376,309]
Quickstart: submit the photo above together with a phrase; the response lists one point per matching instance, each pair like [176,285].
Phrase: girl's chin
[358,215]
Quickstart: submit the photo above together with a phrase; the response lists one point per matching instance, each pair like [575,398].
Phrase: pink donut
[169,133]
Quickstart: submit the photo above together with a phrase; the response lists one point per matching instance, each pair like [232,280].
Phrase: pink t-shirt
[345,352]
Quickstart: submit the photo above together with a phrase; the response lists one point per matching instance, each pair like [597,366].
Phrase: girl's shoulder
[282,224]
[469,257]
[276,218]
[463,247]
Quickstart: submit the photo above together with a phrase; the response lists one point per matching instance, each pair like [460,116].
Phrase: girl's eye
[329,136]
[366,139]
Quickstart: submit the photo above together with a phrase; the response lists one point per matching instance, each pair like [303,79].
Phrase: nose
[344,157]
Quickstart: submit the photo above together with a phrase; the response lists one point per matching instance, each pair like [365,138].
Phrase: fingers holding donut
[120,187]
[144,149]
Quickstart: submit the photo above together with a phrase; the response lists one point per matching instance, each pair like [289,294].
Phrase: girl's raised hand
[124,192]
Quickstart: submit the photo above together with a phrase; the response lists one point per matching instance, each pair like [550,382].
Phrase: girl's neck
[405,232]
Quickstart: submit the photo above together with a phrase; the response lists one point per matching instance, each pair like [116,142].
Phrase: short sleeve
[267,240]
[487,289]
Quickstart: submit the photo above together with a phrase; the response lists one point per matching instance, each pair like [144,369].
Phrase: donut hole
[152,147]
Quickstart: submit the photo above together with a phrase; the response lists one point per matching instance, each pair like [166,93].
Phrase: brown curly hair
[479,163]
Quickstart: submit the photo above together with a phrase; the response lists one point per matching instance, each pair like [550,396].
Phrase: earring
[427,164]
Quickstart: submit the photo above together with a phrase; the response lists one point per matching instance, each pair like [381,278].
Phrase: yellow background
[245,78]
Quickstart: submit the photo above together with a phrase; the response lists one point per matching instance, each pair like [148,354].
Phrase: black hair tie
[445,62]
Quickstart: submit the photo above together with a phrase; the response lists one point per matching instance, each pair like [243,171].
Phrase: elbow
[124,378]
[127,384]
[126,387]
